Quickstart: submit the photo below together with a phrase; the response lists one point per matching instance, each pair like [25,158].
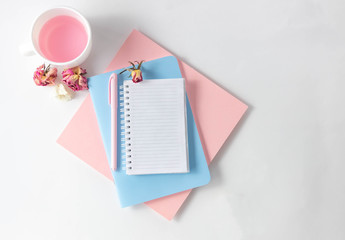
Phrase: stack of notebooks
[155,118]
[170,127]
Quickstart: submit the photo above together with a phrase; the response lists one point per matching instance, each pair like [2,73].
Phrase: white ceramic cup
[33,48]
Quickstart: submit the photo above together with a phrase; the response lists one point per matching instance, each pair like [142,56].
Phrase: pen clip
[111,79]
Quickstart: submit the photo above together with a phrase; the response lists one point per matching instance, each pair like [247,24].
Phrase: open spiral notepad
[154,126]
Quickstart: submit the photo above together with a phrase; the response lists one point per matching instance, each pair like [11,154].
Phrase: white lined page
[155,126]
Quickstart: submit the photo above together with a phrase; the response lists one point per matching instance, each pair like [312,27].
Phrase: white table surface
[279,176]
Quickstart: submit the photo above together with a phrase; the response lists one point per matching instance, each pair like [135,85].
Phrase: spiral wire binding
[122,128]
[125,117]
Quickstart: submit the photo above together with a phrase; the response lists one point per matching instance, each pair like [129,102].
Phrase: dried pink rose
[74,79]
[136,73]
[44,76]
[137,76]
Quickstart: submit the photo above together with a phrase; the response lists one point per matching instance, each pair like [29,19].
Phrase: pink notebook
[216,113]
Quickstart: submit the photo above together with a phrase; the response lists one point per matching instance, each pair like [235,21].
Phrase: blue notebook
[135,189]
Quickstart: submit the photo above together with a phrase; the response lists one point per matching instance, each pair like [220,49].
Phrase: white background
[279,176]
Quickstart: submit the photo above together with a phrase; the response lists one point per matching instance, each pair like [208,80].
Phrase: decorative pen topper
[136,73]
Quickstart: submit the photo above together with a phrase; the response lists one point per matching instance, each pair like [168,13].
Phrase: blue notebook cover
[134,189]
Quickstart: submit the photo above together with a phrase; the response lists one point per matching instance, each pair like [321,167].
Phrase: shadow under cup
[62,36]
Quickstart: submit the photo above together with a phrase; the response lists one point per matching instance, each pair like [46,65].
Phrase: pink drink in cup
[62,39]
[61,36]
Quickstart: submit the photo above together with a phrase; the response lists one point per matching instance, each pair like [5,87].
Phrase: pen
[113,106]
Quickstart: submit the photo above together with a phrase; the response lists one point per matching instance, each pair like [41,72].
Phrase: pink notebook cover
[216,113]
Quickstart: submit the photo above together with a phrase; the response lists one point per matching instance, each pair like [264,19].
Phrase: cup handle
[26,49]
